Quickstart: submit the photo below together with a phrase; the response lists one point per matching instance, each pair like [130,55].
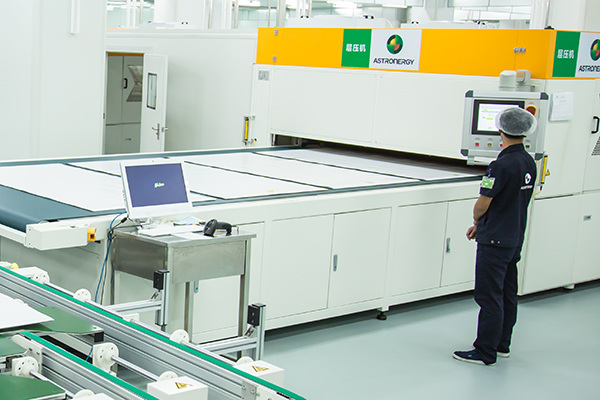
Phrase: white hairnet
[515,121]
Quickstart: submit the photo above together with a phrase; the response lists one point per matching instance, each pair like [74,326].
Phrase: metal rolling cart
[187,259]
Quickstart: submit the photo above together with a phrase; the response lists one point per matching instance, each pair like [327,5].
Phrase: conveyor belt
[137,344]
[37,191]
[17,209]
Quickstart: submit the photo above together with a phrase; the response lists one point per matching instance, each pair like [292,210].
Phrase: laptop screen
[156,188]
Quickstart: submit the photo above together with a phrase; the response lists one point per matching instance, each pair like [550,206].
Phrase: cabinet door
[418,248]
[359,256]
[551,240]
[130,142]
[587,263]
[114,90]
[113,139]
[297,267]
[459,253]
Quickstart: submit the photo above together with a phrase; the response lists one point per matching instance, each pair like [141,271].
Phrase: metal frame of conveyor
[73,374]
[147,347]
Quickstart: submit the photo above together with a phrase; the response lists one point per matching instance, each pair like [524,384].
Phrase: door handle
[447,245]
[597,124]
[157,130]
[335,262]
[126,83]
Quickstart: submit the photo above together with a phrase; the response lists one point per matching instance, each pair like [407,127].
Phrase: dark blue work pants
[496,294]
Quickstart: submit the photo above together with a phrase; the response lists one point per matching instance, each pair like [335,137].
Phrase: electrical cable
[88,356]
[109,237]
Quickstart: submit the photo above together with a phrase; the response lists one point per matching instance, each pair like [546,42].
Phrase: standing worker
[499,220]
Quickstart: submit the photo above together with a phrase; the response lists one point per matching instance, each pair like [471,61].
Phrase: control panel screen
[156,184]
[484,115]
[154,189]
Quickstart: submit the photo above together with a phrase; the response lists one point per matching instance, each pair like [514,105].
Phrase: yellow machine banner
[479,52]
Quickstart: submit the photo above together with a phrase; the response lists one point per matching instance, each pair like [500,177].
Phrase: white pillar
[432,10]
[568,14]
[281,8]
[592,16]
[222,11]
[203,14]
[193,12]
[539,14]
[164,10]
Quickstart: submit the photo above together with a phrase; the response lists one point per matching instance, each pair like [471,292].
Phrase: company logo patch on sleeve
[487,183]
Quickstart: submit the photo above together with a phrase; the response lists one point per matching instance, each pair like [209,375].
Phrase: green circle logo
[595,50]
[394,44]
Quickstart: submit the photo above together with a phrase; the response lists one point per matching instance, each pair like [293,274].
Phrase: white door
[359,256]
[459,253]
[550,244]
[418,248]
[296,273]
[587,264]
[154,104]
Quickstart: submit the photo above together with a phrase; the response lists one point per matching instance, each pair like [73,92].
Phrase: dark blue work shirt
[509,181]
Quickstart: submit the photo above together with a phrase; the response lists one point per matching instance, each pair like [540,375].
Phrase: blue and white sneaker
[471,356]
[503,354]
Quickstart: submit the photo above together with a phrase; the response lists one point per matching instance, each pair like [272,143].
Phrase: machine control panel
[481,138]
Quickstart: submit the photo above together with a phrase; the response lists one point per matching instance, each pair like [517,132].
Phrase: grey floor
[555,352]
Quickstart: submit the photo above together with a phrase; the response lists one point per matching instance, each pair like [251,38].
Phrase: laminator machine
[278,194]
[375,222]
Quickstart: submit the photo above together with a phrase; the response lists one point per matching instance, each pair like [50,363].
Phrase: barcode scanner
[211,226]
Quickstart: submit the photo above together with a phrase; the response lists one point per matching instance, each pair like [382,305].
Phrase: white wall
[432,10]
[52,81]
[592,16]
[210,83]
[577,15]
[17,77]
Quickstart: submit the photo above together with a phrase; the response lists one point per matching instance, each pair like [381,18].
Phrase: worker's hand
[472,232]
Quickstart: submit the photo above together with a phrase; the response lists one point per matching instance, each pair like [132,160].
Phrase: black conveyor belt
[17,209]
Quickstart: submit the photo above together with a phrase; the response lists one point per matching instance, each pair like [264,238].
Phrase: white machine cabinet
[587,263]
[417,248]
[342,260]
[549,250]
[459,252]
[297,273]
[359,256]
[430,247]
